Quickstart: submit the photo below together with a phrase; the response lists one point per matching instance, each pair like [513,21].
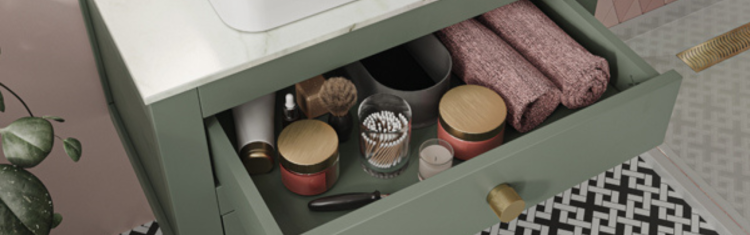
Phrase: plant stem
[19,98]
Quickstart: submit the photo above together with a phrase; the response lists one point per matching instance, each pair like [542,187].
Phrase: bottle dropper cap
[289,101]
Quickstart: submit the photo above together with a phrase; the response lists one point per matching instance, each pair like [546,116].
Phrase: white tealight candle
[434,157]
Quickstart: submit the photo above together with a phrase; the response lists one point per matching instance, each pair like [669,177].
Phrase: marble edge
[200,81]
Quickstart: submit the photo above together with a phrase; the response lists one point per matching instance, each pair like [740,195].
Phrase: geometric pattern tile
[605,13]
[627,9]
[628,199]
[659,17]
[150,228]
[650,5]
[613,12]
[710,125]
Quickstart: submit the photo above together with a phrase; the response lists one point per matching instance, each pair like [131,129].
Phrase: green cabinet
[181,147]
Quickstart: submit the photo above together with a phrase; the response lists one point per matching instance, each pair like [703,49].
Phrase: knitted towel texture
[581,76]
[482,58]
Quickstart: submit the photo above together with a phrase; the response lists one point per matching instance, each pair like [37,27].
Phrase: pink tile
[622,7]
[632,12]
[650,5]
[610,20]
[603,9]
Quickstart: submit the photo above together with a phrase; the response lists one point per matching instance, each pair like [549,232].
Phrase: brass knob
[506,203]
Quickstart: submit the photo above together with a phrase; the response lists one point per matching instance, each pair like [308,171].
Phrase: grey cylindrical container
[435,61]
[254,122]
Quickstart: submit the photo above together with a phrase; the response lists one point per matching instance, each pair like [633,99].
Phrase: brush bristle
[338,94]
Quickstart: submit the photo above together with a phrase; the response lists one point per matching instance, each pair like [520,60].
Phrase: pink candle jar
[309,157]
[472,119]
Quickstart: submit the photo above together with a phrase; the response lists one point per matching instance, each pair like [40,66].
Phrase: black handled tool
[347,201]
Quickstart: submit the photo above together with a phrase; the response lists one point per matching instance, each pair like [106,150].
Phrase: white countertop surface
[170,47]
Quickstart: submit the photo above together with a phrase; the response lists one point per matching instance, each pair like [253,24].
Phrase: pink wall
[46,58]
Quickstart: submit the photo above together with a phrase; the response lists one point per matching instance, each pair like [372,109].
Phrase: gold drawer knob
[506,203]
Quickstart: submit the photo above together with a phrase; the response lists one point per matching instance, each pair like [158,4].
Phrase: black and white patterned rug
[627,199]
[150,228]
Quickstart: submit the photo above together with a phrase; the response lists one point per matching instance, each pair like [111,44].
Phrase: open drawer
[568,148]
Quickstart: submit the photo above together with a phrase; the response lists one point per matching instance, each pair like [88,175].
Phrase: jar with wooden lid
[309,157]
[472,119]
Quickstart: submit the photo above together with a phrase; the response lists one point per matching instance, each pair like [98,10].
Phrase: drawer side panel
[237,193]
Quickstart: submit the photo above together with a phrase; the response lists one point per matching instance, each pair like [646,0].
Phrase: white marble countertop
[170,47]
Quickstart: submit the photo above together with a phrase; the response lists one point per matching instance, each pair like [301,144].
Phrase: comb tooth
[717,49]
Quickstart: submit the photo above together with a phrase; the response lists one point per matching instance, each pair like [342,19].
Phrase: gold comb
[717,49]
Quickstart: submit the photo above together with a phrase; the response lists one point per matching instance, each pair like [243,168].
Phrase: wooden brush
[338,95]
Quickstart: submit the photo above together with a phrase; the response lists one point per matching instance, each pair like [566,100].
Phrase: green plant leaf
[56,220]
[72,148]
[2,103]
[9,223]
[54,118]
[25,204]
[27,141]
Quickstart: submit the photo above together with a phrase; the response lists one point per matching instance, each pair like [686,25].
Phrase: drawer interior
[289,210]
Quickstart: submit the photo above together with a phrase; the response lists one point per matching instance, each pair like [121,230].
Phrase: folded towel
[581,76]
[480,57]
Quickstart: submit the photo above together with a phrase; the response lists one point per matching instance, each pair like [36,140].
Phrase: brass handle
[506,203]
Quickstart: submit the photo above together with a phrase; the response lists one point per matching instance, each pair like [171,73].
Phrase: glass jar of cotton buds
[385,131]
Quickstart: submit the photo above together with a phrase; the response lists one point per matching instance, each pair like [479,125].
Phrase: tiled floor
[710,127]
[628,199]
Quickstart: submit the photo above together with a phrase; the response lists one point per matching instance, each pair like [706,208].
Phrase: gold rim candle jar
[472,119]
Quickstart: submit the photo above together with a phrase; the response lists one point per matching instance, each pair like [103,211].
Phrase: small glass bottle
[291,112]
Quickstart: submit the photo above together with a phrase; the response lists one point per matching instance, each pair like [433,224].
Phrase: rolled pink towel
[480,57]
[581,76]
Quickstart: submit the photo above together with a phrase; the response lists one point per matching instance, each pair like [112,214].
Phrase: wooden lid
[472,113]
[308,146]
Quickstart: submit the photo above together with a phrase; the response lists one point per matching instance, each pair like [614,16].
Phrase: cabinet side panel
[169,195]
[186,165]
[140,171]
[87,20]
[135,120]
